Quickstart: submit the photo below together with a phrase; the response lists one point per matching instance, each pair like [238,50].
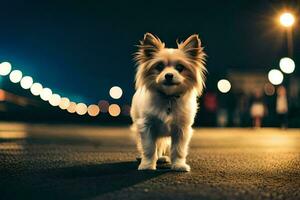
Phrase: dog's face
[170,71]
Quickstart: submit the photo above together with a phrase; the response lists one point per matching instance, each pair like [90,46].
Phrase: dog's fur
[164,106]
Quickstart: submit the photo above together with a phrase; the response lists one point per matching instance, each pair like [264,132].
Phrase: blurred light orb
[115,92]
[103,105]
[46,94]
[287,19]
[64,103]
[269,89]
[36,89]
[287,65]
[93,110]
[54,100]
[72,107]
[81,108]
[275,76]
[26,82]
[224,85]
[114,110]
[15,76]
[5,68]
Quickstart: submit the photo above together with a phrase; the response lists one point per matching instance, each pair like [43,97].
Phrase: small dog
[168,82]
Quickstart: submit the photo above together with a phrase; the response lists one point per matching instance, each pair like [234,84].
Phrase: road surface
[88,162]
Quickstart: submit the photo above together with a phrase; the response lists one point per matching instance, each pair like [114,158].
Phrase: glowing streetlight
[114,110]
[64,103]
[5,68]
[287,65]
[15,76]
[115,92]
[46,94]
[275,76]
[81,108]
[72,107]
[93,110]
[287,19]
[224,85]
[26,82]
[54,100]
[36,89]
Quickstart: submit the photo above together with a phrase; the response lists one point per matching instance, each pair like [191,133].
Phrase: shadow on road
[77,182]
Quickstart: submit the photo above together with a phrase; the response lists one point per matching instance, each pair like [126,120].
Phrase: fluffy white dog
[168,82]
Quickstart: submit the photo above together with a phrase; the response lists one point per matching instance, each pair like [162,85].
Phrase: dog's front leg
[149,150]
[180,142]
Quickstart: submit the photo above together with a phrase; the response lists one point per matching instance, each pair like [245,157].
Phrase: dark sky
[82,48]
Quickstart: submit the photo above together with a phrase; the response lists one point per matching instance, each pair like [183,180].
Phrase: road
[89,162]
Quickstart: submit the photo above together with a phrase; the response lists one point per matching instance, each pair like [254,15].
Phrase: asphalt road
[80,162]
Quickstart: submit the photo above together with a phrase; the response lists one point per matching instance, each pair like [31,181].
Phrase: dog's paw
[181,167]
[147,166]
[163,159]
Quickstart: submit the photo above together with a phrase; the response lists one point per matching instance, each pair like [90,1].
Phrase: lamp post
[287,20]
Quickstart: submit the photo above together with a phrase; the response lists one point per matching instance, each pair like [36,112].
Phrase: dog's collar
[171,99]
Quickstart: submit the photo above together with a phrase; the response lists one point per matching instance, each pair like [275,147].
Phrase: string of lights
[56,100]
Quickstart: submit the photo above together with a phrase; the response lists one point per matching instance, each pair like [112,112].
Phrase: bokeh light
[72,107]
[46,94]
[224,85]
[115,92]
[287,65]
[64,103]
[5,68]
[26,82]
[269,89]
[55,100]
[93,110]
[287,19]
[114,110]
[275,76]
[36,89]
[103,105]
[81,108]
[15,76]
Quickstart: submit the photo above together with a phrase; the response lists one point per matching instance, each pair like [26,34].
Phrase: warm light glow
[55,100]
[36,89]
[287,65]
[5,68]
[26,82]
[81,108]
[269,89]
[93,110]
[72,107]
[46,94]
[64,103]
[115,92]
[15,76]
[2,95]
[275,77]
[224,85]
[114,110]
[287,19]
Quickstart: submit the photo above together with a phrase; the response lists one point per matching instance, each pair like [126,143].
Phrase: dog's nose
[169,76]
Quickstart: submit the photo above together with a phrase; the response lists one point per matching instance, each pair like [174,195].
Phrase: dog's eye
[179,67]
[159,66]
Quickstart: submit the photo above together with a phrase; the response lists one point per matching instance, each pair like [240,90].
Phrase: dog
[168,82]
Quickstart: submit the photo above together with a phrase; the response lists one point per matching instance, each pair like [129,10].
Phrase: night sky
[82,48]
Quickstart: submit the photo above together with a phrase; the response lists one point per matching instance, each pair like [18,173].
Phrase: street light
[287,65]
[287,19]
[275,76]
[224,85]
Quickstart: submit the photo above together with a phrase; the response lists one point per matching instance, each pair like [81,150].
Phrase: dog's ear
[148,47]
[192,47]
